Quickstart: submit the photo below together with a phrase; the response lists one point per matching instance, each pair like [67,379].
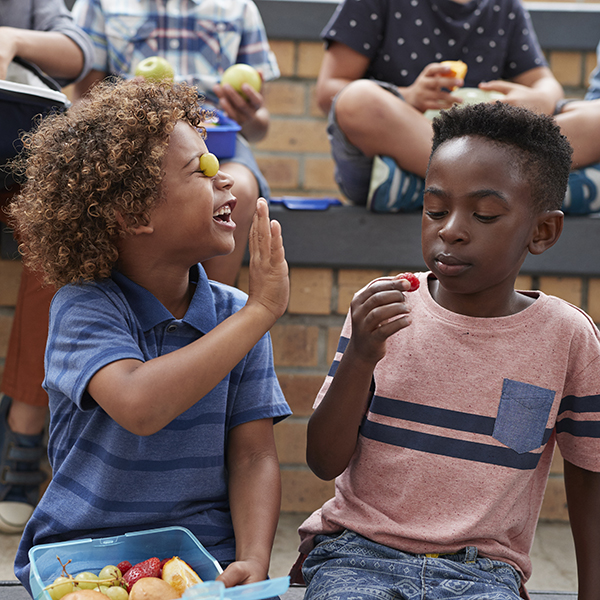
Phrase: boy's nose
[223,181]
[454,230]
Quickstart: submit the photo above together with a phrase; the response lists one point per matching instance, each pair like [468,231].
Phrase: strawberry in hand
[411,278]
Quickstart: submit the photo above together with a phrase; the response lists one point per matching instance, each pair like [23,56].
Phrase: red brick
[302,491]
[300,391]
[567,288]
[554,507]
[10,278]
[290,437]
[310,291]
[295,345]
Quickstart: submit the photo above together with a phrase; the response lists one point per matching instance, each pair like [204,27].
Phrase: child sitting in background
[161,383]
[441,412]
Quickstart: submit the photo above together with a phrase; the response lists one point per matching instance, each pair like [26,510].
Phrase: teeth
[224,210]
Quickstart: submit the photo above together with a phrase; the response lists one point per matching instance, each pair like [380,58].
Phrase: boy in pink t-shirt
[441,412]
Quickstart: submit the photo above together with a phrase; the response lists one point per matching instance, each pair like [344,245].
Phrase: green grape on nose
[209,164]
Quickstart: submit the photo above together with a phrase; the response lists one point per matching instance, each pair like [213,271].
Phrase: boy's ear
[547,231]
[136,230]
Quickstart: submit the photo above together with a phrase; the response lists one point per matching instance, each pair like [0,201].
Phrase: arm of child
[340,66]
[82,86]
[143,397]
[378,311]
[536,89]
[54,53]
[583,498]
[254,497]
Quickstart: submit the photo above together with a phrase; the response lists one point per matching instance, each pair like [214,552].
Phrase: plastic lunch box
[94,554]
[220,140]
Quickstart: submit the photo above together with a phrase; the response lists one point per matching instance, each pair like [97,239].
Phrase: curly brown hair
[92,172]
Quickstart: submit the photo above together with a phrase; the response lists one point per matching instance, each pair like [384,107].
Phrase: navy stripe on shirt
[445,446]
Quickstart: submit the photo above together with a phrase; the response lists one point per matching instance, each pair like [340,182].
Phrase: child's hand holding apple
[240,95]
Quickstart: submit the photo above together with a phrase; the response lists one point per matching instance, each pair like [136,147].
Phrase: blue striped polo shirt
[108,481]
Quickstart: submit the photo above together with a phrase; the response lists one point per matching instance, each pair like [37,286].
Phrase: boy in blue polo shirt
[161,383]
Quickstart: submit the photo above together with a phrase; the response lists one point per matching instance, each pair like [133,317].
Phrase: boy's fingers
[260,238]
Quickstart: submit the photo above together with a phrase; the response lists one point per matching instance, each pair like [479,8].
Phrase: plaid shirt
[200,38]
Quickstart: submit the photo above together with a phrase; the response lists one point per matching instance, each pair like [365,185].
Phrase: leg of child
[380,123]
[580,122]
[368,150]
[24,406]
[349,567]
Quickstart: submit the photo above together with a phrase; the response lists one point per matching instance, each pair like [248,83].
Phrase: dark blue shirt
[495,38]
[106,480]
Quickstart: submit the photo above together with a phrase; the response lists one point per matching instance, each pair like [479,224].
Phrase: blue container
[215,590]
[94,554]
[220,140]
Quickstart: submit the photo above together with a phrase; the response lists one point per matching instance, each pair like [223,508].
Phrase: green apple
[240,73]
[155,68]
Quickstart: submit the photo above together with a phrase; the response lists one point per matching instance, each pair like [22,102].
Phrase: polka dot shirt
[400,37]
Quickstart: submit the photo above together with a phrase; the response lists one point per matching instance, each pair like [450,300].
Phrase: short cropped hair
[541,151]
[92,172]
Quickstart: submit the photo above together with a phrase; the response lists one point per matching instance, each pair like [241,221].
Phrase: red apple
[240,73]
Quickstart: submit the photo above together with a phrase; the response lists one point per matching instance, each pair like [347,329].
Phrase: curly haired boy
[161,383]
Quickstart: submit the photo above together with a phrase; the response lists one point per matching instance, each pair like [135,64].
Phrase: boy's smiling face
[193,220]
[478,223]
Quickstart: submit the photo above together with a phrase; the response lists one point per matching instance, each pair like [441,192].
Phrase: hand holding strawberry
[378,311]
[412,279]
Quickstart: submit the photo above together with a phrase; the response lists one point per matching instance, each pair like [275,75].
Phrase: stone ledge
[351,237]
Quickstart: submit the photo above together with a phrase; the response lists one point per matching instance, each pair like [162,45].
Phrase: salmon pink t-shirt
[457,442]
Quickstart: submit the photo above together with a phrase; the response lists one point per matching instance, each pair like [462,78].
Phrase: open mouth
[223,213]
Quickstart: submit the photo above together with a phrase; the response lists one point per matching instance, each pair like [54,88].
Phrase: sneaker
[583,192]
[20,473]
[393,190]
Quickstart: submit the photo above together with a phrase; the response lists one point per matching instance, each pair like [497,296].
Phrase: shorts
[350,567]
[352,167]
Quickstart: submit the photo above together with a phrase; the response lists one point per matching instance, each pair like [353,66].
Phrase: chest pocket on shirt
[522,415]
[130,39]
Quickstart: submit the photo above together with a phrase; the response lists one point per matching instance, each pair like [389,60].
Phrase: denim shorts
[350,567]
[352,167]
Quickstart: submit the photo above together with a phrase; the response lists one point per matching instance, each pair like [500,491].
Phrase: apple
[240,73]
[155,68]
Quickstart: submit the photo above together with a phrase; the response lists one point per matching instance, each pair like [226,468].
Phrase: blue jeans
[351,567]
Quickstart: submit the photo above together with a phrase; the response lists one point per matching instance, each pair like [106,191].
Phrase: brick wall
[295,159]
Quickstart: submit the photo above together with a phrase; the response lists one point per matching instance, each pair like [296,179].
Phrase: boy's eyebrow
[482,193]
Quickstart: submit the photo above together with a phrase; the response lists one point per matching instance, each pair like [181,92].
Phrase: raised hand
[235,106]
[269,280]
